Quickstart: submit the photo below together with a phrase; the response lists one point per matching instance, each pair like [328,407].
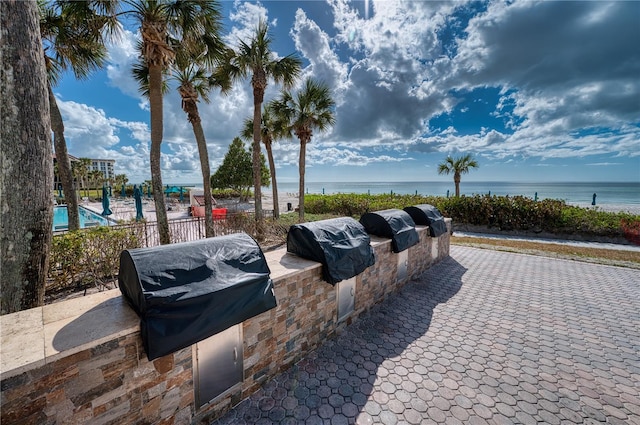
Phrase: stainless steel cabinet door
[218,364]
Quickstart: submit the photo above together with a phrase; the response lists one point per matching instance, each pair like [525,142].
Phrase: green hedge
[88,257]
[499,212]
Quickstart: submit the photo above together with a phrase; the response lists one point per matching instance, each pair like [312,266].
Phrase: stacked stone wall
[112,382]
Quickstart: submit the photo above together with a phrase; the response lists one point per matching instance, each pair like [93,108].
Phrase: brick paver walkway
[485,337]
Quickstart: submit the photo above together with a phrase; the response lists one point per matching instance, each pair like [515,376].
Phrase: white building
[105,166]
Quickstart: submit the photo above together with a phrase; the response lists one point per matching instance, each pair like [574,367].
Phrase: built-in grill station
[342,246]
[428,215]
[198,294]
[398,226]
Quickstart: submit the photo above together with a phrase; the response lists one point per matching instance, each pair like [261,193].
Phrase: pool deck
[485,337]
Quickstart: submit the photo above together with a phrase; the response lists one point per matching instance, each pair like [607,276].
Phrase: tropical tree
[73,38]
[270,131]
[96,179]
[312,108]
[194,85]
[170,29]
[26,175]
[457,166]
[120,180]
[235,171]
[258,60]
[80,171]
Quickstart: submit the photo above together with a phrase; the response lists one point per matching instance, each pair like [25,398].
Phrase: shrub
[501,212]
[89,256]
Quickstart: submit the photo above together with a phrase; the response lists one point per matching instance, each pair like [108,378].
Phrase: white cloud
[566,73]
[246,15]
[314,44]
[122,55]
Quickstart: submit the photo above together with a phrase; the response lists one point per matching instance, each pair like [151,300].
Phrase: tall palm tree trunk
[258,96]
[206,177]
[190,106]
[274,185]
[26,174]
[301,167]
[64,164]
[155,106]
[456,181]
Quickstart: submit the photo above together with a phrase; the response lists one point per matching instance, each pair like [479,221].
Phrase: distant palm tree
[458,166]
[80,171]
[311,108]
[257,59]
[121,180]
[96,179]
[270,131]
[169,29]
[73,38]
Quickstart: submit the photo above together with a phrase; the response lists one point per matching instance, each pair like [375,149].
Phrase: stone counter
[82,360]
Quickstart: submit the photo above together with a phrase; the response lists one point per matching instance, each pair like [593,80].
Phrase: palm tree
[194,84]
[270,131]
[256,59]
[26,209]
[121,180]
[72,36]
[311,108]
[166,26]
[96,179]
[458,166]
[80,170]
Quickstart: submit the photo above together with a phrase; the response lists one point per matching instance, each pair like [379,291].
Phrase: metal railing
[193,228]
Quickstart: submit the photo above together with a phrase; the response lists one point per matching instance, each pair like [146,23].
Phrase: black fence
[193,228]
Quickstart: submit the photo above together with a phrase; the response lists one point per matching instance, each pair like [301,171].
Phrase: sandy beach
[627,208]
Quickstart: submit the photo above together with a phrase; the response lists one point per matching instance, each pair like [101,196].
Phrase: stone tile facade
[82,361]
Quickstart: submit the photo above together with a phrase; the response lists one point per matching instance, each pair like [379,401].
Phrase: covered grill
[428,215]
[394,224]
[187,292]
[341,244]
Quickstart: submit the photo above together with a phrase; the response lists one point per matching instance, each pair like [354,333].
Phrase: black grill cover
[394,224]
[428,215]
[340,244]
[187,292]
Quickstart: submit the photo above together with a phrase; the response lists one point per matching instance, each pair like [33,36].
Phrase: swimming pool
[88,218]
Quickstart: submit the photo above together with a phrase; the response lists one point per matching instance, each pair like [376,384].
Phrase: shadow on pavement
[382,349]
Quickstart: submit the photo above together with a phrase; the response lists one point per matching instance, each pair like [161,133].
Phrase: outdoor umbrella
[122,192]
[105,202]
[137,194]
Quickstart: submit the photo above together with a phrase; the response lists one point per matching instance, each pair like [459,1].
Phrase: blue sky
[536,91]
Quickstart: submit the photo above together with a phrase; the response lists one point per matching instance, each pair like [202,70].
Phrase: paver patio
[485,337]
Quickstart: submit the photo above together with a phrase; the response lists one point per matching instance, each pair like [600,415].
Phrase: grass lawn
[593,255]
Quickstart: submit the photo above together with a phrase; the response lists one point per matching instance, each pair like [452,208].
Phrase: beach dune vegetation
[500,213]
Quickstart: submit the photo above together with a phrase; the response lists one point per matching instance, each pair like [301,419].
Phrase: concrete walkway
[485,337]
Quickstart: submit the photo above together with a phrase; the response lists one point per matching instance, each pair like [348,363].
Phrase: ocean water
[626,193]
